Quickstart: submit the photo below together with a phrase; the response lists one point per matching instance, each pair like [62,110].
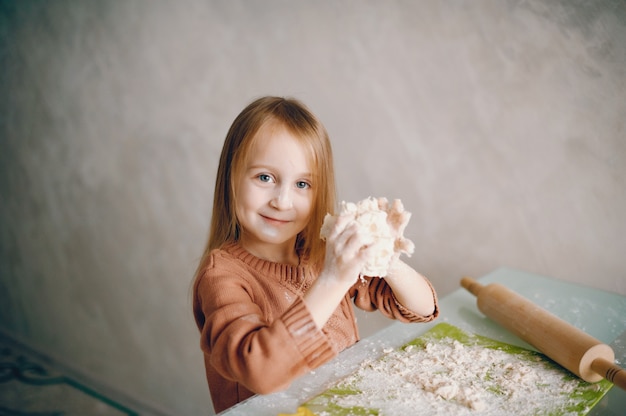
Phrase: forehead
[275,143]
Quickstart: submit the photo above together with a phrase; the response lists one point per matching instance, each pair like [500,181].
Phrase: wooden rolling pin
[575,350]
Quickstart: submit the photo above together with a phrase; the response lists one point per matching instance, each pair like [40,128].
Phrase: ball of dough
[385,224]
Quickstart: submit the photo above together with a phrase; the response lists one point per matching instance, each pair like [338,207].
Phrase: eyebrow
[307,175]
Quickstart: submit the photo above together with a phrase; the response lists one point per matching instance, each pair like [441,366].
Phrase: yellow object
[302,411]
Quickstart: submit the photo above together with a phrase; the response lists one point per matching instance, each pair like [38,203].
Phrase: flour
[446,377]
[383,223]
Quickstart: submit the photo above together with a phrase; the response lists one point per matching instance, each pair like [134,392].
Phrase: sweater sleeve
[244,345]
[372,293]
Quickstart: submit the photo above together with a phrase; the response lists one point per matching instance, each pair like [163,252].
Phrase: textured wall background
[500,124]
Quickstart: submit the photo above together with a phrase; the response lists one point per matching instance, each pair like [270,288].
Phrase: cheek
[247,199]
[242,204]
[305,205]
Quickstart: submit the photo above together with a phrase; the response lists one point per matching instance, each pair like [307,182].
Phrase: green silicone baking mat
[448,371]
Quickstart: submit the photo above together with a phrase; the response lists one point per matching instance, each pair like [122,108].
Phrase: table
[601,314]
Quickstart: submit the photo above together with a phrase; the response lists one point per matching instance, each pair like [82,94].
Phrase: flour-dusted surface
[448,372]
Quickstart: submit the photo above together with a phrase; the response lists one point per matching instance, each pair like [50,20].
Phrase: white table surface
[601,314]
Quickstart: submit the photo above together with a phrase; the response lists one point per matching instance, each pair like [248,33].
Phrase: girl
[271,299]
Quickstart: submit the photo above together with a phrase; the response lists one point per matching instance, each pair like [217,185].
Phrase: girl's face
[274,194]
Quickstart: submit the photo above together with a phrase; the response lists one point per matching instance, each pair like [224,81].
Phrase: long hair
[241,136]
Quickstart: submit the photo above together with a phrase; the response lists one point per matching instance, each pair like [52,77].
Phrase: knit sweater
[257,334]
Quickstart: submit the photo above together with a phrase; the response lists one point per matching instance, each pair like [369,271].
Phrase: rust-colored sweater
[257,334]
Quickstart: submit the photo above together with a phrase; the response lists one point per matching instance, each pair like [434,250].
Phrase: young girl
[272,300]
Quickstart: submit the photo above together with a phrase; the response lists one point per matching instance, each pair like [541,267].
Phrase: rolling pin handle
[610,371]
[471,285]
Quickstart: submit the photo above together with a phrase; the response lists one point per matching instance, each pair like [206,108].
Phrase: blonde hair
[241,137]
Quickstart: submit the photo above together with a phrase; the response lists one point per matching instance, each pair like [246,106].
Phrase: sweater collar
[285,273]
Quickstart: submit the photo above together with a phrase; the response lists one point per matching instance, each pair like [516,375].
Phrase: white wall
[500,124]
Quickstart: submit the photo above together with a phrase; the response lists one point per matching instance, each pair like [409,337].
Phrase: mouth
[274,221]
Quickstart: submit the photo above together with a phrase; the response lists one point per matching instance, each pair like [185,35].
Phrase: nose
[282,198]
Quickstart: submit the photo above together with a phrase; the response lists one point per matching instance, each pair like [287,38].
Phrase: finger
[365,253]
[340,224]
[342,240]
[383,204]
[403,221]
[357,241]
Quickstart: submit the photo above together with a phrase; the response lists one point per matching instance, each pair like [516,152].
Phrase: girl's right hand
[347,250]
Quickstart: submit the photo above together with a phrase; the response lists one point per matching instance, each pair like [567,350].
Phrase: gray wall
[500,124]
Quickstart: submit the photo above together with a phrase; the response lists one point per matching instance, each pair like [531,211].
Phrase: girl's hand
[347,248]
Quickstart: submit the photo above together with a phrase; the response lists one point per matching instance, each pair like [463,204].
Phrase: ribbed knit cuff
[309,339]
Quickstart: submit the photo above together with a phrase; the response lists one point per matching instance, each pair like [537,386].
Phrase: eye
[264,177]
[303,185]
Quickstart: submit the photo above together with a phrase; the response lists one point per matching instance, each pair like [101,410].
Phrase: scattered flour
[450,378]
